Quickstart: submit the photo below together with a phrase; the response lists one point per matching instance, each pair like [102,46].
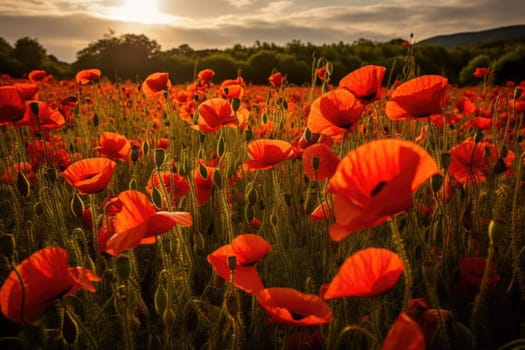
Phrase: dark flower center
[296,316]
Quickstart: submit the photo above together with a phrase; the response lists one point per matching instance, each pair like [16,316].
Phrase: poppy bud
[156,197]
[160,157]
[7,245]
[499,166]
[160,300]
[232,262]
[249,213]
[307,135]
[33,106]
[446,158]
[123,267]
[504,151]
[221,147]
[236,103]
[315,163]
[436,182]
[478,137]
[134,154]
[95,120]
[76,206]
[252,195]
[217,179]
[248,135]
[203,171]
[22,185]
[202,138]
[51,175]
[69,329]
[517,93]
[497,230]
[145,148]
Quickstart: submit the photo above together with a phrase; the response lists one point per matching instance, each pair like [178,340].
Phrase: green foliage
[510,66]
[465,76]
[261,65]
[224,65]
[293,69]
[29,53]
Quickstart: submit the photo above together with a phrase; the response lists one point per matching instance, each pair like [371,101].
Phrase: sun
[140,11]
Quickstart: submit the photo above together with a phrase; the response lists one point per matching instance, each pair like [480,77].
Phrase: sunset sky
[64,27]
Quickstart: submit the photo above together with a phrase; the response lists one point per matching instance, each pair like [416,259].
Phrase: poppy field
[374,212]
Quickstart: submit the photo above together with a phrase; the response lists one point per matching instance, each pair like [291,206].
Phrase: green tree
[261,65]
[510,66]
[29,53]
[465,76]
[223,64]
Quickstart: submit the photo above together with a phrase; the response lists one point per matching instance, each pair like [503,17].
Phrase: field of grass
[370,213]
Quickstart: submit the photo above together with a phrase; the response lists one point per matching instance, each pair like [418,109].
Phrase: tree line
[134,56]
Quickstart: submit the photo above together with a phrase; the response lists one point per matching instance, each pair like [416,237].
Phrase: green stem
[398,240]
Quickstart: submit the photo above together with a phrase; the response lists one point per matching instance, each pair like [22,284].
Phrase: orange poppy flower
[289,306]
[334,113]
[481,72]
[404,334]
[376,181]
[367,273]
[37,75]
[277,79]
[176,185]
[114,146]
[46,277]
[267,154]
[365,83]
[12,106]
[319,162]
[232,91]
[206,75]
[28,91]
[248,248]
[134,221]
[90,175]
[86,76]
[155,83]
[421,97]
[214,114]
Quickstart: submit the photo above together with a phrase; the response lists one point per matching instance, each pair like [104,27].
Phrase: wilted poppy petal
[404,334]
[367,273]
[287,305]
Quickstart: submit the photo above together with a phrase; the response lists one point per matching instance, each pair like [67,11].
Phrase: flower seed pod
[446,158]
[436,182]
[497,230]
[160,157]
[7,245]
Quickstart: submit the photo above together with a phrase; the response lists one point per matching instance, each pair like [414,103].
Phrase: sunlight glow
[140,11]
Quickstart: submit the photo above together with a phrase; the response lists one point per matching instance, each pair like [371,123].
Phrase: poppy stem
[398,240]
[22,293]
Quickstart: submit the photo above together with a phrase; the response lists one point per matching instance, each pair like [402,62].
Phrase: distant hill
[516,32]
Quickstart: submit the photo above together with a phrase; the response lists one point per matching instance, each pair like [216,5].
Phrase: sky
[64,27]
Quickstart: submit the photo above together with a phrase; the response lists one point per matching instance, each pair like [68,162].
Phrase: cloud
[250,20]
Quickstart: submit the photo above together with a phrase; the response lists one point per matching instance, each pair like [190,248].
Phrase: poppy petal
[367,273]
[250,248]
[404,334]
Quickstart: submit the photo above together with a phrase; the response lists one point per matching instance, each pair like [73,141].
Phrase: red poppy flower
[134,220]
[404,334]
[203,184]
[12,106]
[426,318]
[248,249]
[163,143]
[376,181]
[90,175]
[334,113]
[155,83]
[46,277]
[206,75]
[277,79]
[86,76]
[47,118]
[289,306]
[176,185]
[37,75]
[215,113]
[324,159]
[267,154]
[481,72]
[471,272]
[321,212]
[28,91]
[232,91]
[367,273]
[365,83]
[114,146]
[420,97]
[9,176]
[321,73]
